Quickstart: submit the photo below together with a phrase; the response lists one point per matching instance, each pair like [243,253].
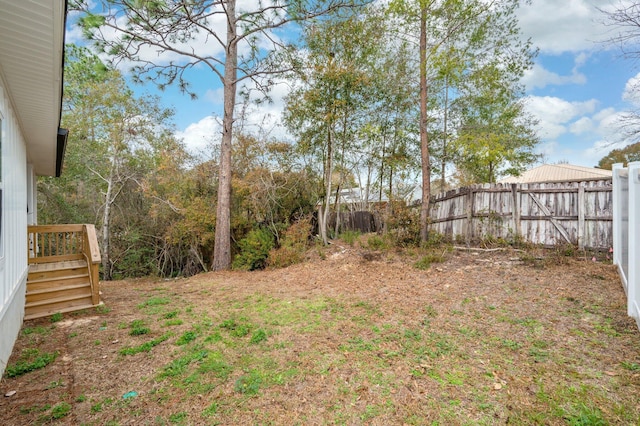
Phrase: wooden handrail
[92,254]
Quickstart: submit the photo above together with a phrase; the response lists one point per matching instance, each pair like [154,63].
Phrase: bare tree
[625,18]
[237,42]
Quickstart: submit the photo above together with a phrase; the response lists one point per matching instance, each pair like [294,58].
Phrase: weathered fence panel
[578,213]
[626,234]
[361,221]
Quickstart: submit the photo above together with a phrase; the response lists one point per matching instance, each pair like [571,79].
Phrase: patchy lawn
[354,338]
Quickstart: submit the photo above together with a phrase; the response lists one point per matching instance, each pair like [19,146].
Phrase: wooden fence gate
[578,213]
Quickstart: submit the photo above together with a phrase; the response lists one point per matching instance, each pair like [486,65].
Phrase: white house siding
[13,237]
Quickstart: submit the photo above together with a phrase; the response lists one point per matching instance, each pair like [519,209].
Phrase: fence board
[545,213]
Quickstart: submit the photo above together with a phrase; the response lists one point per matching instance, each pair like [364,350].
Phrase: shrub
[349,236]
[293,245]
[254,250]
[376,243]
[403,225]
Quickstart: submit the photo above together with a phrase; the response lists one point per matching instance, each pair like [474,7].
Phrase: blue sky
[578,88]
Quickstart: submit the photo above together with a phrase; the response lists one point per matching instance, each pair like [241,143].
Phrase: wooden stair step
[67,290]
[52,280]
[49,266]
[64,287]
[57,300]
[41,312]
[40,274]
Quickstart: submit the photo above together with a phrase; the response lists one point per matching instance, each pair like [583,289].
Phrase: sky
[578,88]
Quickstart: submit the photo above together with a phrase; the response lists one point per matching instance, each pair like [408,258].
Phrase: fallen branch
[486,250]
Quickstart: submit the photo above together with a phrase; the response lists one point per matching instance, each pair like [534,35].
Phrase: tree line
[410,91]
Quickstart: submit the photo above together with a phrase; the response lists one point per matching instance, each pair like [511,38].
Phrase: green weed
[30,362]
[248,384]
[631,366]
[138,328]
[187,337]
[60,410]
[36,330]
[258,336]
[145,347]
[154,301]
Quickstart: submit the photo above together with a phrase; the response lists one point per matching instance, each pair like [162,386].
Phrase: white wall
[13,235]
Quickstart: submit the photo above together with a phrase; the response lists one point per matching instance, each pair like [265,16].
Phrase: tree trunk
[443,160]
[106,224]
[222,245]
[327,198]
[424,138]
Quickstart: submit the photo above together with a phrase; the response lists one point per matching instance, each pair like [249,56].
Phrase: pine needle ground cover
[346,338]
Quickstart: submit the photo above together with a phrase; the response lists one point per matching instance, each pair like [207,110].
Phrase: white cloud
[265,119]
[555,114]
[581,126]
[215,96]
[540,77]
[199,137]
[563,26]
[632,91]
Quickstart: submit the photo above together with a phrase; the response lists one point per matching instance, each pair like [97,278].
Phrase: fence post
[581,209]
[469,215]
[633,284]
[515,194]
[616,213]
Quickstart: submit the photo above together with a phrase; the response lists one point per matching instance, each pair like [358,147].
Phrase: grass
[30,360]
[452,356]
[144,347]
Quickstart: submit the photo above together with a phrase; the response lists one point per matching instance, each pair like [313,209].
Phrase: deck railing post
[92,252]
[633,285]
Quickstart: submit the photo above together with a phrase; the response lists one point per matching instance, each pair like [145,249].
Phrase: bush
[293,246]
[377,243]
[349,236]
[254,250]
[403,225]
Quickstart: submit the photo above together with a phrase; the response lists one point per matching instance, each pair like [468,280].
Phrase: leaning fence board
[578,213]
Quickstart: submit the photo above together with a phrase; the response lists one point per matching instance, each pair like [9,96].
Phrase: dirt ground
[505,337]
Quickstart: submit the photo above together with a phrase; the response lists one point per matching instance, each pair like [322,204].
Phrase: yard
[350,337]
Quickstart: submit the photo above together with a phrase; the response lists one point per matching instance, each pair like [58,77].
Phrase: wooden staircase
[63,270]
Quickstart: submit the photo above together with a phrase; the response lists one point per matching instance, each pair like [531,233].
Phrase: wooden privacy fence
[578,213]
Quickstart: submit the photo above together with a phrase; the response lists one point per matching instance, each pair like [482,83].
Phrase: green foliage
[56,317]
[254,250]
[179,365]
[60,410]
[376,242]
[248,384]
[145,347]
[425,261]
[349,236]
[403,225]
[293,245]
[30,361]
[583,415]
[631,366]
[258,336]
[187,337]
[622,155]
[138,328]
